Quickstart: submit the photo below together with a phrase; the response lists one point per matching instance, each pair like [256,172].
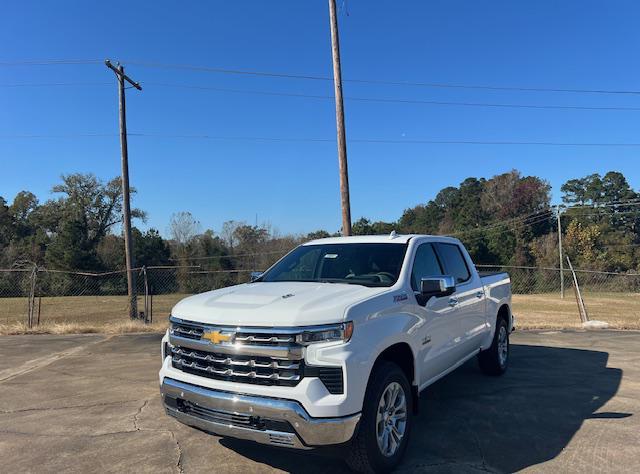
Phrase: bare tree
[183,227]
[228,233]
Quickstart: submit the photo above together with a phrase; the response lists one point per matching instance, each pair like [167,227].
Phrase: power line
[514,227]
[610,214]
[380,82]
[399,101]
[55,84]
[627,202]
[247,72]
[536,218]
[383,100]
[510,226]
[257,254]
[50,62]
[322,140]
[508,222]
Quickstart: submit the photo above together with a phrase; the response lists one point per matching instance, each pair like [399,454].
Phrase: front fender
[372,336]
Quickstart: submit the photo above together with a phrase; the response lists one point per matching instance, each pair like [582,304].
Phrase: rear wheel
[495,359]
[386,421]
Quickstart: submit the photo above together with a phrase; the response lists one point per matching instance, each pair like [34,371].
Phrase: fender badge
[288,295]
[399,298]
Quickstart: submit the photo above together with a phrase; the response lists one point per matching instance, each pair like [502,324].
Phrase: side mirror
[437,286]
[255,275]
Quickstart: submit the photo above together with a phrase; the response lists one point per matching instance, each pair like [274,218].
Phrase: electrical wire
[399,101]
[241,255]
[247,72]
[56,84]
[322,140]
[378,81]
[382,100]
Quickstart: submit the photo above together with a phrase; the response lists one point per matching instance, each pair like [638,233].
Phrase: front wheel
[386,421]
[495,359]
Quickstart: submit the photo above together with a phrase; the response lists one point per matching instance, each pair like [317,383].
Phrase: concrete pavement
[89,403]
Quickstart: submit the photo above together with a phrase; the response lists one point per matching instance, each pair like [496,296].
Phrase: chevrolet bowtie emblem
[217,337]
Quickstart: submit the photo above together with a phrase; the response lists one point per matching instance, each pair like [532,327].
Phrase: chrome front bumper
[270,421]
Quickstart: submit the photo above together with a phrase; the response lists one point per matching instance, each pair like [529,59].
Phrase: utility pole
[126,201]
[342,140]
[560,251]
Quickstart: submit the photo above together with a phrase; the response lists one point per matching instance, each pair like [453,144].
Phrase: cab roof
[392,238]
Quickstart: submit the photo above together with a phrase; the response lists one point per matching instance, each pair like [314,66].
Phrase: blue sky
[294,185]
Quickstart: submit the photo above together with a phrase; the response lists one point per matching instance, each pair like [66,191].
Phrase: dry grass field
[549,311]
[83,314]
[107,314]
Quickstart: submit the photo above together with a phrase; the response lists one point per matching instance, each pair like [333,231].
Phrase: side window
[454,262]
[425,264]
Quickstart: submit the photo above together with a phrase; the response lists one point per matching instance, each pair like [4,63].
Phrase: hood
[274,304]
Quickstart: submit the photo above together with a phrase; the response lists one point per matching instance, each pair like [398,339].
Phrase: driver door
[437,335]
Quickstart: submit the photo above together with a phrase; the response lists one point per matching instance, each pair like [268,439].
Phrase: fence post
[32,297]
[146,294]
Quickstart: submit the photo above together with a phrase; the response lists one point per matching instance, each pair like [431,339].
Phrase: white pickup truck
[333,344]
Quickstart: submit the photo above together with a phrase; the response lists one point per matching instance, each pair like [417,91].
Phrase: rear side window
[454,262]
[425,264]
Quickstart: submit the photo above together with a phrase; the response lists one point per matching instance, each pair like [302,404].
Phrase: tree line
[503,220]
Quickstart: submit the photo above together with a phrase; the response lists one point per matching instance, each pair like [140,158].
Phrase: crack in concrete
[172,435]
[179,466]
[483,466]
[59,435]
[136,420]
[138,413]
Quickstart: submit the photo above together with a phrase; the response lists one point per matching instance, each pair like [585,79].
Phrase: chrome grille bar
[266,339]
[284,365]
[278,352]
[233,373]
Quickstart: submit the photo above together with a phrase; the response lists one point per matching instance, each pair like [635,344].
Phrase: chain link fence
[539,299]
[35,295]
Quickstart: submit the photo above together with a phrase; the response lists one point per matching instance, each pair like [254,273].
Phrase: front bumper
[265,420]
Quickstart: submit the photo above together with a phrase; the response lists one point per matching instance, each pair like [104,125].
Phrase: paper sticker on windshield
[331,255]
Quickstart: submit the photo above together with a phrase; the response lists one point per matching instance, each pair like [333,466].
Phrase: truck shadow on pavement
[470,422]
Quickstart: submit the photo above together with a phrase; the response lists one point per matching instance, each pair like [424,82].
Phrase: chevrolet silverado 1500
[333,344]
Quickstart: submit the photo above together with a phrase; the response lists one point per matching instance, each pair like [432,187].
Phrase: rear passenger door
[468,299]
[438,330]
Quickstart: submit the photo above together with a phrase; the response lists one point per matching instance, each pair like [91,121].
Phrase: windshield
[359,264]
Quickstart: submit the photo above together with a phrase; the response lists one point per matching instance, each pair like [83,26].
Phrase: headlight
[338,332]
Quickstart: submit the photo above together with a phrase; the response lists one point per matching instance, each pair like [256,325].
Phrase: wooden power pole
[342,141]
[126,201]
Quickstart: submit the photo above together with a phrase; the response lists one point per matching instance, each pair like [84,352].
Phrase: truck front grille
[247,369]
[264,356]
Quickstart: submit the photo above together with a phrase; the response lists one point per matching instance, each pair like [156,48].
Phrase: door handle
[453,302]
[479,294]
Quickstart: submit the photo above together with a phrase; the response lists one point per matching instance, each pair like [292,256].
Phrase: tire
[365,453]
[495,359]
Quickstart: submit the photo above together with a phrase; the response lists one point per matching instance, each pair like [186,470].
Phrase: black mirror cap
[437,285]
